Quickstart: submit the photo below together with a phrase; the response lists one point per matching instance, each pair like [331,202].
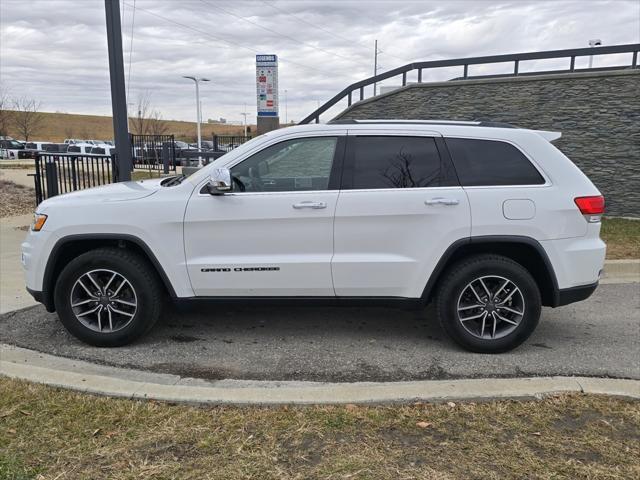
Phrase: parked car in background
[11,149]
[103,150]
[80,148]
[56,148]
[37,145]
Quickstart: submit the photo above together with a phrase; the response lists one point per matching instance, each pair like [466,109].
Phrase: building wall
[597,113]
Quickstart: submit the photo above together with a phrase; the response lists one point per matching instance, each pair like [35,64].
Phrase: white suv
[489,222]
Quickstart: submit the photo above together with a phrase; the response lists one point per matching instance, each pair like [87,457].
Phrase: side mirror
[220,182]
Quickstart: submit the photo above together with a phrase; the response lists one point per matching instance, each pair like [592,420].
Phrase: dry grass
[622,237]
[16,199]
[58,126]
[47,433]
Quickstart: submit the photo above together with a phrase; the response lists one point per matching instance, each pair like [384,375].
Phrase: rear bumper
[575,294]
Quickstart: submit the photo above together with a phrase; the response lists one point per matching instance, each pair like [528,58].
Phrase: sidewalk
[12,290]
[18,175]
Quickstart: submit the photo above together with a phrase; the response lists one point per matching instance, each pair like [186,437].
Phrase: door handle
[442,201]
[307,204]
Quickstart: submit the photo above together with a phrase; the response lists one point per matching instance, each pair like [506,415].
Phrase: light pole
[244,114]
[197,80]
[286,117]
[596,42]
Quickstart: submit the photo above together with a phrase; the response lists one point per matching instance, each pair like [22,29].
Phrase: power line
[219,39]
[275,32]
[333,34]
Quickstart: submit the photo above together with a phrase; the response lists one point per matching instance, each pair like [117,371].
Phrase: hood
[114,192]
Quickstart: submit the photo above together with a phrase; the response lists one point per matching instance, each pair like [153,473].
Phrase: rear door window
[380,162]
[491,162]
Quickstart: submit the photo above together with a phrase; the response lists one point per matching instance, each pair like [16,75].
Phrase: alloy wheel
[490,307]
[103,300]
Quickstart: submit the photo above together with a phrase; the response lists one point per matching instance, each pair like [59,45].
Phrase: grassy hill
[57,126]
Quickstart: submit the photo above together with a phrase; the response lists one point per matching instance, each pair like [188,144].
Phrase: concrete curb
[83,376]
[621,271]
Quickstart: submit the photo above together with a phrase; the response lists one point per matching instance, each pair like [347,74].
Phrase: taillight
[591,207]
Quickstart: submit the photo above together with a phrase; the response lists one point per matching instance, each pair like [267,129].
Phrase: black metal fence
[153,152]
[570,55]
[63,173]
[226,143]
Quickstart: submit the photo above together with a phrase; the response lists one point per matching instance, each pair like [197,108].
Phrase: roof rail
[474,123]
[570,54]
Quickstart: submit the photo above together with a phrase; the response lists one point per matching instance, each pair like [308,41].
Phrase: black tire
[454,286]
[143,282]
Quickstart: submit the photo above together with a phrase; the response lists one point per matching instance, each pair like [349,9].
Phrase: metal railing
[153,152]
[62,173]
[515,58]
[226,143]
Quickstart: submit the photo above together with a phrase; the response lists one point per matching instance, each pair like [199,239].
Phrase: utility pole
[593,43]
[118,92]
[375,66]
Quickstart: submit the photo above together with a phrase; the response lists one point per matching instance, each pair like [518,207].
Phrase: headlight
[38,222]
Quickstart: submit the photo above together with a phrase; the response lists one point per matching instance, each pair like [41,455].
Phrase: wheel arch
[71,246]
[524,250]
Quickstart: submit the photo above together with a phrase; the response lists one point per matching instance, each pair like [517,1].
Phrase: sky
[55,51]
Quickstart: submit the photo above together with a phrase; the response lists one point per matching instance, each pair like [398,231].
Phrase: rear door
[400,207]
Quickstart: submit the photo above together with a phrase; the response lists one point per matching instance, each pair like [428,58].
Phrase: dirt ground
[16,199]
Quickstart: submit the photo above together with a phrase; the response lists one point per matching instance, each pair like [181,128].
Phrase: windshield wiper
[173,180]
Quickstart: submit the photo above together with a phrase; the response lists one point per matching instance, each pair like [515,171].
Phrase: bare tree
[157,125]
[5,113]
[27,118]
[68,131]
[140,122]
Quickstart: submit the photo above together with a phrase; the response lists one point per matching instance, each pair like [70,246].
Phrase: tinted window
[396,162]
[294,165]
[73,149]
[489,162]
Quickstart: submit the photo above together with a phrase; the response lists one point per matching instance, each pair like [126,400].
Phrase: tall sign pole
[118,92]
[267,93]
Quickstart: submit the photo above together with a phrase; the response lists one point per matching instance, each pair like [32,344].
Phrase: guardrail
[516,58]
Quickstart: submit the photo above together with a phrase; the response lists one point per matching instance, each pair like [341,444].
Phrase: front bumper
[42,297]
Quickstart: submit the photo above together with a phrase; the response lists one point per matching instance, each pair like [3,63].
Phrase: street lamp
[286,117]
[197,80]
[244,114]
[596,42]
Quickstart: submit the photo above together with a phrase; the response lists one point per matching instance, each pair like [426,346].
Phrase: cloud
[55,50]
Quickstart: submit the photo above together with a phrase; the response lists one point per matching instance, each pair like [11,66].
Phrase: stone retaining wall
[597,113]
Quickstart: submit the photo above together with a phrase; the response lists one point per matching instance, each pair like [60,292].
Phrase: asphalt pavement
[599,337]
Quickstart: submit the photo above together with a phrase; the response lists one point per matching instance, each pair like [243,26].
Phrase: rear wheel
[108,297]
[488,303]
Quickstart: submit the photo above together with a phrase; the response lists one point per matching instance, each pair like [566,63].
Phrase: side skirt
[389,302]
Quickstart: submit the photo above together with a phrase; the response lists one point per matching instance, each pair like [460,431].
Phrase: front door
[273,234]
[400,208]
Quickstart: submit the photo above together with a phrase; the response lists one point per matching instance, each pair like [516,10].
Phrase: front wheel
[108,297]
[488,303]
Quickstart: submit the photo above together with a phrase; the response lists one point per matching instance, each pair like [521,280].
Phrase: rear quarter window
[491,162]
